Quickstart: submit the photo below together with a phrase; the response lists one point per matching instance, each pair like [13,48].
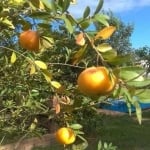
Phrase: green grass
[123,131]
[126,133]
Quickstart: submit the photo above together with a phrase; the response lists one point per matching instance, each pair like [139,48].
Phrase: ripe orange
[30,40]
[96,81]
[65,135]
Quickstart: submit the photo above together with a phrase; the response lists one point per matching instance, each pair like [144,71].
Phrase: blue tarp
[120,105]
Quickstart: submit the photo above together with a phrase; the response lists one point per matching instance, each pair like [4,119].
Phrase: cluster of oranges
[91,81]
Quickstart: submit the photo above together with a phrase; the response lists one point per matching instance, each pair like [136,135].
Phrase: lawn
[123,131]
[126,133]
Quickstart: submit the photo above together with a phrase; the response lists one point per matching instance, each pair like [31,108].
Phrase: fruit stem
[94,48]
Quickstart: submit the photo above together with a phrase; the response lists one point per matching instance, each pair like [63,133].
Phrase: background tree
[143,56]
[120,40]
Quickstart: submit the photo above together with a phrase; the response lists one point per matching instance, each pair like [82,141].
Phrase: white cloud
[78,9]
[114,5]
[119,5]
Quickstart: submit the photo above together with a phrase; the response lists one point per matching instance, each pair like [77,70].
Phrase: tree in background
[143,56]
[120,40]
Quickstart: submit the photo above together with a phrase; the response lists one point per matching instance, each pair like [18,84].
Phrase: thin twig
[12,50]
[63,64]
[93,104]
[93,46]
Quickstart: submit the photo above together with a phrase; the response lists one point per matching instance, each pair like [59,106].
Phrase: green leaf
[133,100]
[1,8]
[85,23]
[109,54]
[102,19]
[104,47]
[143,95]
[13,57]
[86,12]
[25,25]
[68,23]
[99,6]
[133,75]
[99,147]
[82,138]
[40,64]
[139,84]
[71,19]
[16,2]
[129,107]
[79,55]
[76,126]
[32,69]
[105,145]
[65,5]
[119,60]
[60,4]
[81,146]
[50,4]
[128,98]
[34,92]
[130,75]
[46,42]
[47,75]
[138,110]
[7,23]
[133,68]
[55,84]
[36,4]
[138,113]
[40,15]
[79,132]
[33,124]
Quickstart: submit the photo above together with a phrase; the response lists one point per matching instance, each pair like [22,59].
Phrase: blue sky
[136,12]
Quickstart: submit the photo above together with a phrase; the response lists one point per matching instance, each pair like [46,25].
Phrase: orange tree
[43,50]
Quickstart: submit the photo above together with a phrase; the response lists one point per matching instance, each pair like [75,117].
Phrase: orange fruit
[30,40]
[65,135]
[96,81]
[80,40]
